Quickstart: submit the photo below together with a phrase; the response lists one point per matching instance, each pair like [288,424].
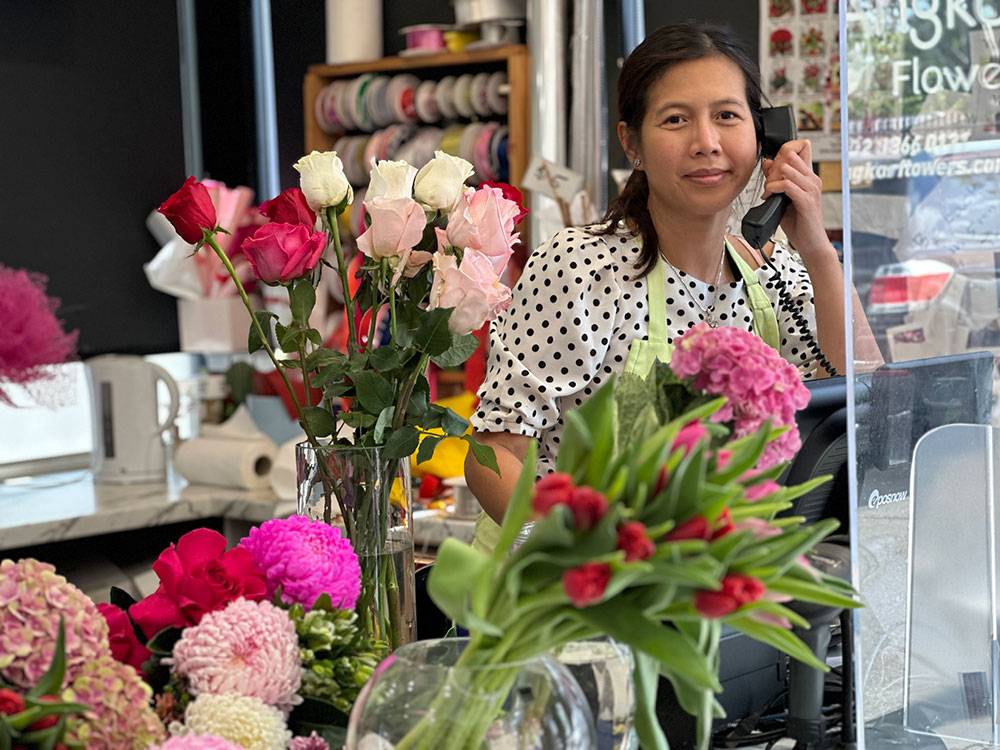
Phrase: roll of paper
[283,479]
[353,31]
[226,462]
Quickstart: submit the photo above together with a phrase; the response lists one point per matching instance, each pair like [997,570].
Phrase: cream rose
[391,180]
[321,177]
[439,184]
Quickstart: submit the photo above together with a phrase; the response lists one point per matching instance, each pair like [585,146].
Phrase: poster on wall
[800,66]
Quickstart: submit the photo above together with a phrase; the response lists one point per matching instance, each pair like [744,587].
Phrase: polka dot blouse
[577,307]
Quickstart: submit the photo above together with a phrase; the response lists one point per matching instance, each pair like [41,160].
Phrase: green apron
[644,352]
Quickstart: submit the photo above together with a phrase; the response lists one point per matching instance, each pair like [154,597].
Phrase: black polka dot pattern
[577,308]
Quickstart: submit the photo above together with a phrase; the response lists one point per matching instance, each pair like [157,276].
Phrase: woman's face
[697,142]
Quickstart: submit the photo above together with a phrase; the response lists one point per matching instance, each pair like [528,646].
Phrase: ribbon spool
[460,95]
[425,102]
[478,89]
[402,94]
[444,96]
[497,90]
[423,39]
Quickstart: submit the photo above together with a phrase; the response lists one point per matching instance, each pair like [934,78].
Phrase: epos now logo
[875,499]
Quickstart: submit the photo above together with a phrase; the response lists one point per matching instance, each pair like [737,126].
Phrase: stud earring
[637,161]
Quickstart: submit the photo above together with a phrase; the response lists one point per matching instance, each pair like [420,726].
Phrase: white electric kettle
[128,446]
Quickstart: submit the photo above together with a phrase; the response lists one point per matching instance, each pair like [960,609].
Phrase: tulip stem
[331,220]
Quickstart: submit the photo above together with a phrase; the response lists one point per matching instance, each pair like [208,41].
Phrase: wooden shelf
[514,58]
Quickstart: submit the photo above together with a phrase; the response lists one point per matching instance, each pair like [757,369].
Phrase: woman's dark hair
[661,50]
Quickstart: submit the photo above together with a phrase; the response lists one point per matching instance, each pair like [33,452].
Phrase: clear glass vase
[370,495]
[429,695]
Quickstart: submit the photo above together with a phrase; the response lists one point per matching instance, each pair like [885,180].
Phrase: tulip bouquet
[430,262]
[658,526]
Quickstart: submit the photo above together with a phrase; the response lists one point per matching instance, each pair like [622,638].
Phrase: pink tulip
[397,224]
[282,252]
[484,221]
[472,288]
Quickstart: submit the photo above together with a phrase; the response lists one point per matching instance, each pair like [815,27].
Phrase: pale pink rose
[473,288]
[483,220]
[397,224]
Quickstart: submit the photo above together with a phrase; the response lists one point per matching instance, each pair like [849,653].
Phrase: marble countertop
[70,505]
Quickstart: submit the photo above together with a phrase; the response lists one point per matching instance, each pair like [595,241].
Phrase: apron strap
[765,322]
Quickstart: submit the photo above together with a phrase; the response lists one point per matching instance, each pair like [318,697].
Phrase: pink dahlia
[32,599]
[248,648]
[120,717]
[757,382]
[305,559]
[197,742]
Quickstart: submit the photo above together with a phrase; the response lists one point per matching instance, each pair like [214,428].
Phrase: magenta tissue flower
[249,648]
[33,336]
[197,742]
[757,381]
[305,559]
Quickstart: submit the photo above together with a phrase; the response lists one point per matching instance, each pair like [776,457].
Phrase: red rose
[736,591]
[282,252]
[190,210]
[723,524]
[197,576]
[693,528]
[10,702]
[588,505]
[289,207]
[511,193]
[550,491]
[585,585]
[125,647]
[632,538]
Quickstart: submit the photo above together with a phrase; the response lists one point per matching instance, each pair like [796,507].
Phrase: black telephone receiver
[761,221]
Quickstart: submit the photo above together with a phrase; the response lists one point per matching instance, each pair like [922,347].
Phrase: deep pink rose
[190,210]
[289,207]
[473,288]
[484,221]
[125,647]
[197,575]
[282,252]
[585,584]
[397,226]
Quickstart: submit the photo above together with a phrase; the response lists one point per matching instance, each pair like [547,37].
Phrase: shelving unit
[514,59]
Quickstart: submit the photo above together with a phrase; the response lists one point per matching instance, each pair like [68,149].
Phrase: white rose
[440,182]
[391,180]
[321,177]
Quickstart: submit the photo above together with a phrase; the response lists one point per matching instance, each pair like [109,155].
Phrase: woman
[597,301]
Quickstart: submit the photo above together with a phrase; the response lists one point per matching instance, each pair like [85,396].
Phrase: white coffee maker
[128,442]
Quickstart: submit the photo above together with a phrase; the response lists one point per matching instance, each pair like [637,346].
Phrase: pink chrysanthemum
[32,599]
[197,742]
[248,648]
[312,742]
[120,717]
[757,381]
[33,336]
[305,559]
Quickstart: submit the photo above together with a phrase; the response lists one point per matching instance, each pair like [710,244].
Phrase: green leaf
[374,392]
[646,676]
[453,424]
[357,419]
[432,335]
[121,598]
[781,639]
[254,341]
[163,642]
[288,338]
[519,507]
[325,357]
[462,347]
[811,592]
[408,318]
[6,733]
[484,454]
[50,683]
[301,300]
[418,404]
[457,570]
[384,358]
[427,446]
[383,422]
[402,443]
[314,336]
[319,420]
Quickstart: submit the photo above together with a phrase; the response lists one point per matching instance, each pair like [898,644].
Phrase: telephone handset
[761,221]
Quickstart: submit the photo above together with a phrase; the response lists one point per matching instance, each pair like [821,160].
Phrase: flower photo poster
[800,65]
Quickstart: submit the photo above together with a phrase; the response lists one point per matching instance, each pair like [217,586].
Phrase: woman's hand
[791,173]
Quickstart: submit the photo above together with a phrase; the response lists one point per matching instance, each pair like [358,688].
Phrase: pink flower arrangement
[33,336]
[197,742]
[305,559]
[472,287]
[758,383]
[484,220]
[248,648]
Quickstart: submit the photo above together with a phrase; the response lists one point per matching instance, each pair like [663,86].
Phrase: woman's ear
[627,139]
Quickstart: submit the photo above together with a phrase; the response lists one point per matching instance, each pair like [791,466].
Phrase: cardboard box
[214,324]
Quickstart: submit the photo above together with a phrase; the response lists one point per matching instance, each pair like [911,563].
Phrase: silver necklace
[707,312]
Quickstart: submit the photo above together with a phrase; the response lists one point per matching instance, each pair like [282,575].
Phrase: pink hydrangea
[32,599]
[249,648]
[120,717]
[757,381]
[197,742]
[305,559]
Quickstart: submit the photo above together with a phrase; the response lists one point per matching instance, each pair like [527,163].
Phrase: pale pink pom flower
[248,648]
